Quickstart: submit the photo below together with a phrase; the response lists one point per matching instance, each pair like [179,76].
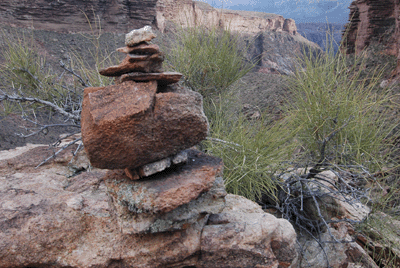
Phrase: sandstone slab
[133,222]
[143,48]
[130,125]
[147,64]
[164,192]
[164,78]
[234,232]
[47,219]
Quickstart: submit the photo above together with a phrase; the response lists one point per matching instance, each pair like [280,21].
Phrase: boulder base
[48,219]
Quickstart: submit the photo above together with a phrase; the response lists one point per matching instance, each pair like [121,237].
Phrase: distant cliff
[318,32]
[272,39]
[121,16]
[188,12]
[70,15]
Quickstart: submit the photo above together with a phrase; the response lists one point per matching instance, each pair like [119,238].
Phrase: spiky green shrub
[252,150]
[25,72]
[210,59]
[339,115]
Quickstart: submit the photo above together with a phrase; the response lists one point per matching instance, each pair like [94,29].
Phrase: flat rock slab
[165,191]
[130,125]
[50,220]
[171,200]
[164,78]
[146,64]
[142,48]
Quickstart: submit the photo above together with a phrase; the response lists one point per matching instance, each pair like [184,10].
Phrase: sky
[332,11]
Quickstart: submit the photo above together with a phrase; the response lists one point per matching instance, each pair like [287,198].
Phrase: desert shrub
[30,85]
[339,115]
[29,81]
[252,150]
[210,59]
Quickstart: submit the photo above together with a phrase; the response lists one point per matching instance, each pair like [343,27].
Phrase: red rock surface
[148,64]
[143,48]
[129,125]
[164,78]
[372,20]
[166,191]
[50,220]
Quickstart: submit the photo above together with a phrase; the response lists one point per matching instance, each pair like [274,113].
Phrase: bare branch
[18,98]
[84,82]
[58,152]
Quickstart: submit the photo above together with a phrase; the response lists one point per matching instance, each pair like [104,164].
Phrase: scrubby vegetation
[337,118]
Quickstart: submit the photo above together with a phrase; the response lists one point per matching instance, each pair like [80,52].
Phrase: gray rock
[155,167]
[137,36]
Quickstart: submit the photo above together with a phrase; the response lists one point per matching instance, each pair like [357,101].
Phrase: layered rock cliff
[188,12]
[73,15]
[372,21]
[375,21]
[121,16]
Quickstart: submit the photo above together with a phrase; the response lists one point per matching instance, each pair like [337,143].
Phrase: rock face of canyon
[375,21]
[121,16]
[372,21]
[188,13]
[72,15]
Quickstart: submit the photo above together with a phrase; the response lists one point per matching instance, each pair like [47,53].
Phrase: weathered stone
[153,168]
[180,158]
[174,200]
[234,232]
[140,49]
[131,174]
[372,21]
[164,78]
[146,64]
[137,36]
[49,219]
[128,125]
[342,254]
[381,238]
[158,166]
[163,192]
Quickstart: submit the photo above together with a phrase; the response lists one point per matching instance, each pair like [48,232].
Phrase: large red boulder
[129,125]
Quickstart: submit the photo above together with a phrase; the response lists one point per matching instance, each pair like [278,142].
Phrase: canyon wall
[73,15]
[189,13]
[372,21]
[375,21]
[121,16]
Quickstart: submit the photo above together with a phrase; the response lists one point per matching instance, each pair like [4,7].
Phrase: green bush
[26,73]
[210,59]
[252,150]
[338,114]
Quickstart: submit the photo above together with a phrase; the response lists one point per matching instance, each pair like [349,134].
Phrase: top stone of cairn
[139,35]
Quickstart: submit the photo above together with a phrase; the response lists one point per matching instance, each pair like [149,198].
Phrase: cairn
[142,130]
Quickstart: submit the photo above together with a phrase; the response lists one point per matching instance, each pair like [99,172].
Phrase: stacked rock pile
[142,129]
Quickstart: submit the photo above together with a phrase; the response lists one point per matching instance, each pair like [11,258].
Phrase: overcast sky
[333,11]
